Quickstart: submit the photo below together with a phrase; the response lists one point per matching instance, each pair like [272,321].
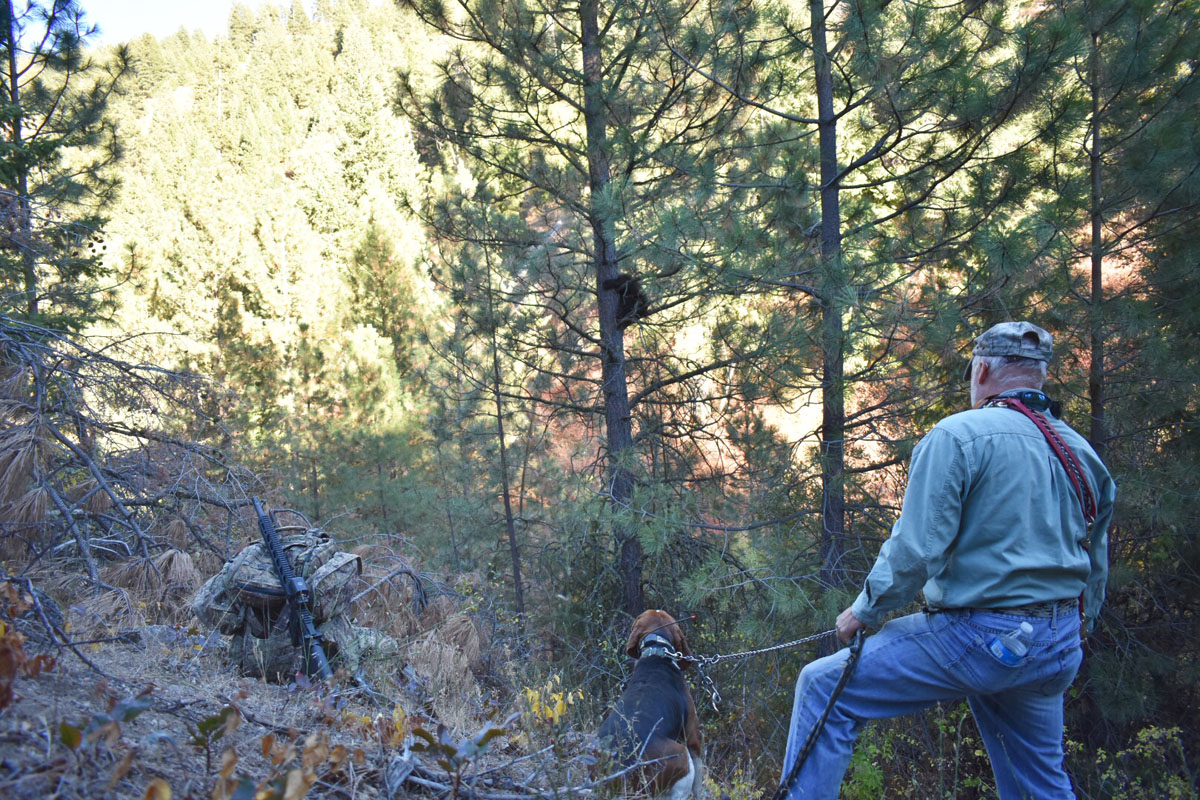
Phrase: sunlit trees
[602,152]
[889,184]
[57,144]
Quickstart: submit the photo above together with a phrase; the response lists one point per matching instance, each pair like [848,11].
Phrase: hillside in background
[570,312]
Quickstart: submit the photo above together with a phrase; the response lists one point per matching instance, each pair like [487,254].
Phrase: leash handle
[847,671]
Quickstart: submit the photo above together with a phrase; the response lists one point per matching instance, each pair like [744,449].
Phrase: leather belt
[1047,608]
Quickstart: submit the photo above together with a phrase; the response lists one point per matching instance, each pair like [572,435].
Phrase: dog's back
[654,704]
[653,722]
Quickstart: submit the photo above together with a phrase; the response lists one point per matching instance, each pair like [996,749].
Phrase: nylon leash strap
[847,671]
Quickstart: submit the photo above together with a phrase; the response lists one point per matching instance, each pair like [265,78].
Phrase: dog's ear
[681,645]
[636,632]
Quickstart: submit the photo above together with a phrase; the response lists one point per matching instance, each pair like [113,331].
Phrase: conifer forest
[552,313]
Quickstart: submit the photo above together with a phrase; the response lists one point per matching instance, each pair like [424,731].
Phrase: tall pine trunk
[617,416]
[514,550]
[833,402]
[16,142]
[1098,435]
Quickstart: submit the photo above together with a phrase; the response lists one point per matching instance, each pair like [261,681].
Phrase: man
[994,532]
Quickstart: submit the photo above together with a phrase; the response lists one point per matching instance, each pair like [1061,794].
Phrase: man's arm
[1093,592]
[929,520]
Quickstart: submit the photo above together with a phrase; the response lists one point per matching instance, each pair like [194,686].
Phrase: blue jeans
[918,660]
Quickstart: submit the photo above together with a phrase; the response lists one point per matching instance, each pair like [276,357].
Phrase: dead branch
[85,425]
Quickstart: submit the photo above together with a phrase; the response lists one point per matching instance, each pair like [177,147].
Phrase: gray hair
[1012,368]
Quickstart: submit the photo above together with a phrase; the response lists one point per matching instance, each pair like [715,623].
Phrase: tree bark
[833,404]
[514,551]
[16,140]
[1098,433]
[617,417]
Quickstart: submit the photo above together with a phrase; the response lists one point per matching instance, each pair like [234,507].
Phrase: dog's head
[658,621]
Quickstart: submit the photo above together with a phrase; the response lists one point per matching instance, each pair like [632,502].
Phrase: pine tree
[1121,165]
[601,151]
[892,144]
[58,145]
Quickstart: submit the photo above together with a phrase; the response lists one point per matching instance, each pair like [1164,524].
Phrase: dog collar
[654,644]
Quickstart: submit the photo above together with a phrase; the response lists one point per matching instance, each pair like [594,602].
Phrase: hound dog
[653,723]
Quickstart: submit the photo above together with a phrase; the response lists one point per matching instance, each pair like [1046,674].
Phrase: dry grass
[94,499]
[387,602]
[159,588]
[207,563]
[15,383]
[107,613]
[177,571]
[27,510]
[140,576]
[439,609]
[387,607]
[24,525]
[448,680]
[460,631]
[175,531]
[20,452]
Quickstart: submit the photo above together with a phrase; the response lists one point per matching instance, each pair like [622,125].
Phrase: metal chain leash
[702,662]
[706,660]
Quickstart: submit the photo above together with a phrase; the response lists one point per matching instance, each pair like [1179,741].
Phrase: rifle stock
[304,631]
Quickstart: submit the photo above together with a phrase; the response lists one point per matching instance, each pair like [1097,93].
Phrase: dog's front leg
[698,779]
[685,786]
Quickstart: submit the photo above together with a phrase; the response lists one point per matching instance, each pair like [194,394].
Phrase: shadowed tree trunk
[617,417]
[833,403]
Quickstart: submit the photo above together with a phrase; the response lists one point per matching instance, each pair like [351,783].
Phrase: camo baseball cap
[1021,339]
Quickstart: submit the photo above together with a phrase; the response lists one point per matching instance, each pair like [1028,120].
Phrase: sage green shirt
[990,519]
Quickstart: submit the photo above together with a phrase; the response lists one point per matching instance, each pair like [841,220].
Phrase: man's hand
[847,626]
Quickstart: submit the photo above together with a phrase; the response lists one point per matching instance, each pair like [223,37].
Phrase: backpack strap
[1083,491]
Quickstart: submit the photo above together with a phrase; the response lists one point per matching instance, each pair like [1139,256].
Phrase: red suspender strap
[1083,492]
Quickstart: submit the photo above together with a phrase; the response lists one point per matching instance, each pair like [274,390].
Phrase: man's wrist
[861,607]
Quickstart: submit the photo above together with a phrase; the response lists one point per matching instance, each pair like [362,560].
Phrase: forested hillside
[567,311]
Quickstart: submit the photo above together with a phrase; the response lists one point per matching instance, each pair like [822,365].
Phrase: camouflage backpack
[246,596]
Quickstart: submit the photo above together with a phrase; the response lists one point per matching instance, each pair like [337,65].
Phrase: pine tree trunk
[1098,435]
[16,141]
[514,551]
[618,425]
[833,410]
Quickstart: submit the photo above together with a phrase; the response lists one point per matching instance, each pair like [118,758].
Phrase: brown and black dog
[654,720]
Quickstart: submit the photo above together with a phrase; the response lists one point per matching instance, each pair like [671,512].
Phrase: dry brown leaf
[338,756]
[157,790]
[297,784]
[232,720]
[229,762]
[122,768]
[316,751]
[284,755]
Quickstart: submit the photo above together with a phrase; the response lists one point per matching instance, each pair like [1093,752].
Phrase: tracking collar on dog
[654,644]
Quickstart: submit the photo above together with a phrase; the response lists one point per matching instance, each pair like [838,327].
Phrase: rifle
[304,632]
